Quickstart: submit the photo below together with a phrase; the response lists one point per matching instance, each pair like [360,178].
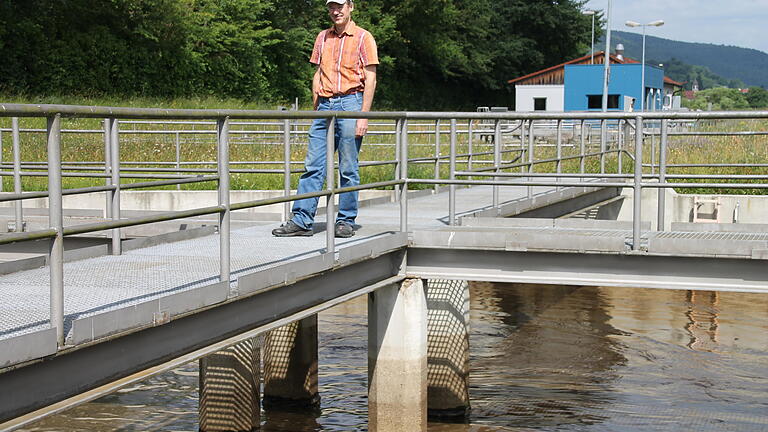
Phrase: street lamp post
[607,59]
[592,51]
[657,23]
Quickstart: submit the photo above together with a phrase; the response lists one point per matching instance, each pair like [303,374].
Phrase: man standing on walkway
[345,80]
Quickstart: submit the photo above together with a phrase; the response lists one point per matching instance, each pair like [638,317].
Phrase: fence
[530,163]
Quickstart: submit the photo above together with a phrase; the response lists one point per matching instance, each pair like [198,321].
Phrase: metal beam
[639,271]
[75,371]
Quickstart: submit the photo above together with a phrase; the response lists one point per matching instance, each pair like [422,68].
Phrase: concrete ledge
[713,247]
[720,227]
[550,223]
[524,241]
[27,347]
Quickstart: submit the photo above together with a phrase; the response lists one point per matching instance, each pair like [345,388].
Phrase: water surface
[545,358]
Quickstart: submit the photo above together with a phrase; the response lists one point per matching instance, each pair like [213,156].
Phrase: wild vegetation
[441,54]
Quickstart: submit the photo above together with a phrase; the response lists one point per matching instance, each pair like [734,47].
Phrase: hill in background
[732,63]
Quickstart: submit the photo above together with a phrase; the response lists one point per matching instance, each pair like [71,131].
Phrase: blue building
[584,87]
[577,85]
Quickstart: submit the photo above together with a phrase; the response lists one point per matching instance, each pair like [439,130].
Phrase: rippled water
[542,358]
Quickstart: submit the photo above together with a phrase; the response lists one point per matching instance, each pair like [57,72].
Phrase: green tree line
[436,54]
[729,99]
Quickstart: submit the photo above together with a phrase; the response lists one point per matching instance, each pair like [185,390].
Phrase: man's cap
[341,2]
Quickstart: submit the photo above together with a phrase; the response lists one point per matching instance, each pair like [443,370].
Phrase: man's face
[340,14]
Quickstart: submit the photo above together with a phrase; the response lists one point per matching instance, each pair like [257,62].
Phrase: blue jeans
[348,147]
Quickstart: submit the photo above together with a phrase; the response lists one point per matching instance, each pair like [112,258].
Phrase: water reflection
[548,358]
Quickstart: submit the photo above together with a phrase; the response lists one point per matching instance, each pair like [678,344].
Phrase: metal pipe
[107,168]
[638,191]
[582,149]
[45,110]
[114,159]
[437,152]
[18,211]
[56,222]
[286,168]
[330,215]
[603,144]
[623,137]
[470,143]
[496,161]
[1,159]
[452,176]
[531,138]
[404,175]
[177,143]
[662,176]
[398,138]
[222,125]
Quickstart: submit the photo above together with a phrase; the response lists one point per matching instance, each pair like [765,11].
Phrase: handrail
[614,127]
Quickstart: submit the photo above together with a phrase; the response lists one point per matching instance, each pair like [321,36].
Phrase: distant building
[577,85]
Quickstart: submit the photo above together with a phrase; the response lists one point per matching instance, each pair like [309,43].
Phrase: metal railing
[514,135]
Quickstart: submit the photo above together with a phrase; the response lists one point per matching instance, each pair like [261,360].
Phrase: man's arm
[316,88]
[370,89]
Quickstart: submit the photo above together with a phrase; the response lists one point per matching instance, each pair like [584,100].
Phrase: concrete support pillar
[448,348]
[229,389]
[397,358]
[290,365]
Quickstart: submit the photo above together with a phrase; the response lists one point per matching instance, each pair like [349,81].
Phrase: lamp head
[632,24]
[657,23]
[588,12]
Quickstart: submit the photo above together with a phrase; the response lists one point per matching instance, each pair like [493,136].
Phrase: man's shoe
[290,229]
[344,230]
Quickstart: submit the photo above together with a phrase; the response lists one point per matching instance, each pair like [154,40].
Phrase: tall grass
[262,142]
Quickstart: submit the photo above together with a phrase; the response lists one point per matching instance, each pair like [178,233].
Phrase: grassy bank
[258,145]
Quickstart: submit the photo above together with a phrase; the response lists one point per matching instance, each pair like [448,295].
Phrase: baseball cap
[341,2]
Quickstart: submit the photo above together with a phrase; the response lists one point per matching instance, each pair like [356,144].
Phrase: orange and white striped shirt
[343,58]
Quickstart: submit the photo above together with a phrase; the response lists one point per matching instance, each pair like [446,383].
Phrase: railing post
[559,150]
[286,167]
[437,153]
[620,140]
[107,168]
[18,212]
[222,129]
[470,145]
[330,245]
[582,149]
[56,221]
[404,176]
[178,156]
[398,137]
[638,193]
[531,138]
[603,138]
[114,142]
[496,161]
[522,145]
[662,175]
[452,176]
[1,159]
[653,152]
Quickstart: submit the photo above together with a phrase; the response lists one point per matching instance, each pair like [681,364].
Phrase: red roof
[598,56]
[550,72]
[668,80]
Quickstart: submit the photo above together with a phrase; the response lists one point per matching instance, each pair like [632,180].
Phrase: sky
[742,23]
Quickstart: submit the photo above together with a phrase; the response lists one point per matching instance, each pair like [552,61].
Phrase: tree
[719,99]
[757,97]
